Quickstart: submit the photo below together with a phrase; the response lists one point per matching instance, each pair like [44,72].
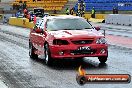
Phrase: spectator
[18,14]
[25,11]
[67,11]
[28,17]
[114,10]
[5,20]
[77,13]
[71,11]
[81,7]
[93,13]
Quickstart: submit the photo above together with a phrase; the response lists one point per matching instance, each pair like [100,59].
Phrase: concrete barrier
[96,20]
[100,16]
[18,21]
[97,16]
[29,24]
[21,22]
[119,19]
[12,20]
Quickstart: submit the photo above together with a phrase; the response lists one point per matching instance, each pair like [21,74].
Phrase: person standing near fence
[67,11]
[93,13]
[81,8]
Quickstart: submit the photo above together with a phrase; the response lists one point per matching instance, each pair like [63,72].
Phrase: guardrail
[119,19]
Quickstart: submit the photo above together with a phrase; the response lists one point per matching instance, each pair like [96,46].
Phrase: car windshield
[68,24]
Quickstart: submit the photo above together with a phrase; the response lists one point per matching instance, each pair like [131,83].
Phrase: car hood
[75,33]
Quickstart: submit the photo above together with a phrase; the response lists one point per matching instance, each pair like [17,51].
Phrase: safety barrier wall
[120,19]
[96,20]
[22,22]
[18,21]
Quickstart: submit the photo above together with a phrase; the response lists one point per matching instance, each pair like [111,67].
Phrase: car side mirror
[38,30]
[97,28]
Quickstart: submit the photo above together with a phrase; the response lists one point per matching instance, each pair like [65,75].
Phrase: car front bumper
[71,51]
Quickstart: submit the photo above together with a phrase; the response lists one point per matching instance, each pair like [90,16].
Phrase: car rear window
[68,24]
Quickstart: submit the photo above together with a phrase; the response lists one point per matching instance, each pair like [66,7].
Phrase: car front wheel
[31,51]
[102,59]
[79,60]
[48,59]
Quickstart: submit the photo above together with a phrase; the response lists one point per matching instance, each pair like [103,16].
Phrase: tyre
[31,51]
[102,59]
[47,56]
[79,60]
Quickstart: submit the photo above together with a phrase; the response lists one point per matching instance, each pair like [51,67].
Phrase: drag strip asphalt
[20,71]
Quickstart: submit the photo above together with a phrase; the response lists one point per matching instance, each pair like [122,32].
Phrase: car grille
[78,42]
[82,52]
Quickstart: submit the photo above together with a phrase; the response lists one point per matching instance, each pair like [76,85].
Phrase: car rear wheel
[102,59]
[48,59]
[31,51]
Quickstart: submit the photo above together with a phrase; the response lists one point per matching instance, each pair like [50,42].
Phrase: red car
[66,36]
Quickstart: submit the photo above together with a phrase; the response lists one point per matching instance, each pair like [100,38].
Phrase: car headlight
[101,41]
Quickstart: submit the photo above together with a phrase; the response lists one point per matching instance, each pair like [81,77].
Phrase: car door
[41,37]
[34,35]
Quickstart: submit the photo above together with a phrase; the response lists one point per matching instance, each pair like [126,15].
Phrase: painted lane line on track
[116,30]
[14,34]
[3,38]
[119,41]
[117,33]
[119,29]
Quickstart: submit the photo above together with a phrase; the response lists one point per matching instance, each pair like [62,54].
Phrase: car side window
[37,25]
[42,25]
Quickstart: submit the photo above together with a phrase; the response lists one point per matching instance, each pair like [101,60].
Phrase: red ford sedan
[65,36]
